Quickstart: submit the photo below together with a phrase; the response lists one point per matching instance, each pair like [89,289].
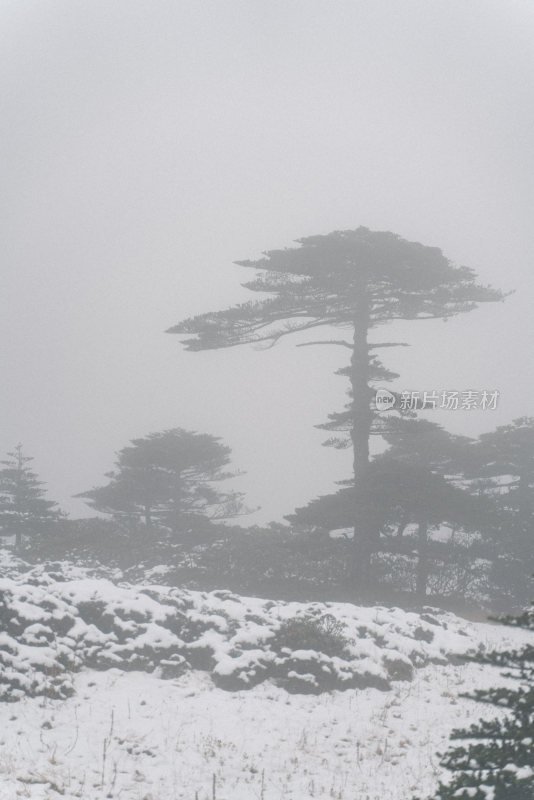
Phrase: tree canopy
[335,279]
[411,484]
[166,479]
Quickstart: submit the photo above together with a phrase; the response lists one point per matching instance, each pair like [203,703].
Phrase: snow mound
[54,623]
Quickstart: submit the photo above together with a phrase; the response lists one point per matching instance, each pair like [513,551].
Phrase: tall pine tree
[355,280]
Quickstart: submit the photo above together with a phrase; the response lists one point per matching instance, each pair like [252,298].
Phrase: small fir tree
[496,759]
[24,511]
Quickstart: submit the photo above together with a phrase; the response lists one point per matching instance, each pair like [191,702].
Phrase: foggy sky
[145,146]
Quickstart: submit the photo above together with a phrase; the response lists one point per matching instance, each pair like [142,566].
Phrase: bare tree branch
[327,341]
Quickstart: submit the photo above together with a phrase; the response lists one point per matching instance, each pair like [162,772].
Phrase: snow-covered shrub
[325,634]
[398,669]
[55,624]
[174,666]
[35,658]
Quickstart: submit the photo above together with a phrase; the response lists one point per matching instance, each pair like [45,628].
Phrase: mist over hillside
[267,439]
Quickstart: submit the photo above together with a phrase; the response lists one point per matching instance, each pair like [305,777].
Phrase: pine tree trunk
[18,536]
[364,529]
[148,516]
[523,496]
[18,499]
[403,524]
[422,560]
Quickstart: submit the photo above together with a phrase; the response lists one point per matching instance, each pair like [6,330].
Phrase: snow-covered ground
[132,735]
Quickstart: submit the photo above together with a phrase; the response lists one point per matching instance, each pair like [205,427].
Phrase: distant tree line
[434,515]
[451,519]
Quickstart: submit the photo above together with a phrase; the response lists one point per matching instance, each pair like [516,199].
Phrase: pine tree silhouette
[497,760]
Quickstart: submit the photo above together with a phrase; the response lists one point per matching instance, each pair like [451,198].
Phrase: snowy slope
[98,726]
[132,736]
[52,626]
